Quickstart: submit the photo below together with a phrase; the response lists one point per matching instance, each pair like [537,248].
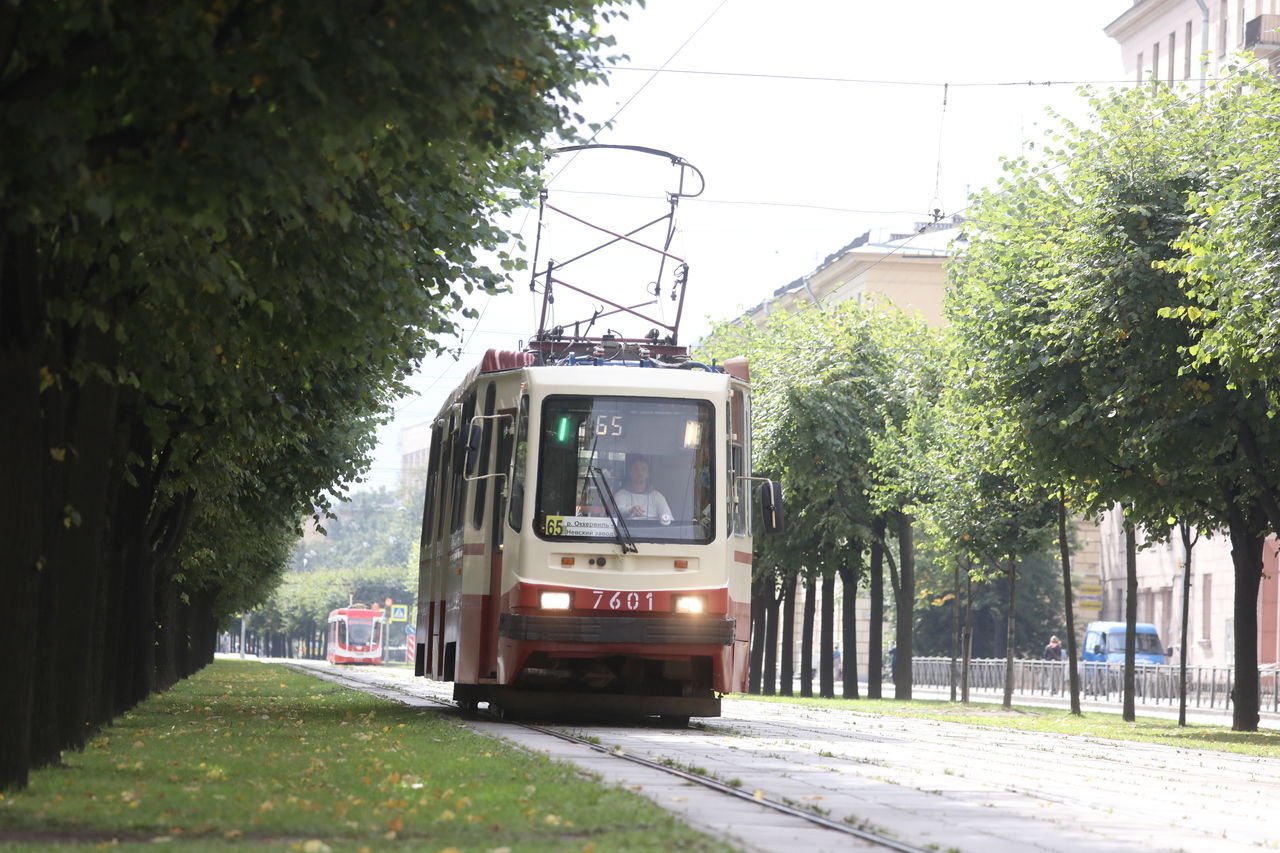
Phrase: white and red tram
[355,634]
[553,579]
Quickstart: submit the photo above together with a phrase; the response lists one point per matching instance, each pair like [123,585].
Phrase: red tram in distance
[355,635]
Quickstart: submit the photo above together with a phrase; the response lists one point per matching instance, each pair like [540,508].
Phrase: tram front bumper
[656,630]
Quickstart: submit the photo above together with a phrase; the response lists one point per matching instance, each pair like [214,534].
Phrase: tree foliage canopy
[228,232]
[1087,301]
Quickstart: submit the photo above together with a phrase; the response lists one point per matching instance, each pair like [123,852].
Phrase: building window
[1173,43]
[1240,23]
[1186,59]
[1206,607]
[1222,27]
[1155,63]
[1141,67]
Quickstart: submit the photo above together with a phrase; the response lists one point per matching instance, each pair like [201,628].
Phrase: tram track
[393,691]
[839,780]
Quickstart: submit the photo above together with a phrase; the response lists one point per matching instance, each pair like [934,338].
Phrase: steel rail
[686,775]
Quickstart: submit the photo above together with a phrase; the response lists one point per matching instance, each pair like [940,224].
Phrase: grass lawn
[1058,720]
[253,756]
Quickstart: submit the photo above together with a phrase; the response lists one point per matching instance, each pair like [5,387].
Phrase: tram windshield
[361,632]
[649,459]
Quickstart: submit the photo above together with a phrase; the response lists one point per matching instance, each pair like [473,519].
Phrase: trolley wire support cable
[396,693]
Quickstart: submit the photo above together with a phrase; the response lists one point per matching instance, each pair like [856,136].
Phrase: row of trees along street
[369,554]
[1113,341]
[228,232]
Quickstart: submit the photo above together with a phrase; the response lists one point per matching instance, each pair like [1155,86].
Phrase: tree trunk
[770,681]
[827,626]
[1184,527]
[760,587]
[787,664]
[1010,633]
[1246,558]
[167,640]
[952,672]
[23,451]
[906,596]
[806,635]
[1130,618]
[849,634]
[875,640]
[1064,549]
[966,637]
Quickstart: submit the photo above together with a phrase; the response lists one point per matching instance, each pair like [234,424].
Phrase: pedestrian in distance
[1054,652]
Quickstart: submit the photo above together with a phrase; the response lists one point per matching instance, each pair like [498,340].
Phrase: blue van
[1104,643]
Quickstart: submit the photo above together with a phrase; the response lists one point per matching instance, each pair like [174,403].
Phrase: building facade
[904,269]
[1190,41]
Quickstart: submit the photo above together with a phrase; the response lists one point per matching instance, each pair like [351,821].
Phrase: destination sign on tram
[574,525]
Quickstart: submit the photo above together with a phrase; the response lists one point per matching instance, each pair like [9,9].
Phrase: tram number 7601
[606,600]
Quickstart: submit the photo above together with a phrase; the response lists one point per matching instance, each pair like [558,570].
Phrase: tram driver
[638,498]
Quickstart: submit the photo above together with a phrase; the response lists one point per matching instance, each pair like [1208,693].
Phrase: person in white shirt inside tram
[638,498]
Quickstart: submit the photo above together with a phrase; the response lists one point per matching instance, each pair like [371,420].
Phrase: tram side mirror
[771,505]
[475,434]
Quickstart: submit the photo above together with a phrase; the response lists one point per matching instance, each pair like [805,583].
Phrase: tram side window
[433,481]
[739,463]
[446,480]
[459,462]
[506,442]
[516,510]
[481,486]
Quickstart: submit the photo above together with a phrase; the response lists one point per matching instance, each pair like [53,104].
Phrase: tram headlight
[555,601]
[690,604]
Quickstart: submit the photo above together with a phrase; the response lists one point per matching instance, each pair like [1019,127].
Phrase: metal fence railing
[1208,687]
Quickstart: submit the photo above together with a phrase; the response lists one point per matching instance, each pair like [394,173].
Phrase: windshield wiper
[615,514]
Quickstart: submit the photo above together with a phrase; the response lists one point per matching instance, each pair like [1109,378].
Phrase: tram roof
[583,374]
[626,378]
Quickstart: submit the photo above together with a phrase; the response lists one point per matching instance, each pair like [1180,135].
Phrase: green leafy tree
[227,234]
[1063,302]
[371,527]
[985,511]
[900,478]
[827,380]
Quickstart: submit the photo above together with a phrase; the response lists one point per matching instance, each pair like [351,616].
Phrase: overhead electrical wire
[1048,169]
[643,86]
[864,81]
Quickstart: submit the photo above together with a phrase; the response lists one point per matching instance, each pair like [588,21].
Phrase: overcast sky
[811,122]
